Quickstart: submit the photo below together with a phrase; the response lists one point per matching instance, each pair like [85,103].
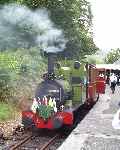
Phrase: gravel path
[7,126]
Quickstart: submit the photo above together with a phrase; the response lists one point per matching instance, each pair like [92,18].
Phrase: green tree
[7,1]
[94,59]
[75,18]
[112,56]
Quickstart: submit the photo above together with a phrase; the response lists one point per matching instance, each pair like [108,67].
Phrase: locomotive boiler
[61,93]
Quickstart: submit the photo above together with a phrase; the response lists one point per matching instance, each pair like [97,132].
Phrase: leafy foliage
[112,56]
[6,111]
[94,59]
[7,1]
[4,87]
[20,71]
[45,111]
[75,18]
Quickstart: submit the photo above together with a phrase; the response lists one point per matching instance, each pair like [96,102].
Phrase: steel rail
[15,146]
[49,142]
[19,144]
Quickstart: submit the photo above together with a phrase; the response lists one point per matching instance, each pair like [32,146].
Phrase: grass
[7,111]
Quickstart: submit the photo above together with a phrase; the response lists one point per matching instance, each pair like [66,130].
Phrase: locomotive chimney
[51,58]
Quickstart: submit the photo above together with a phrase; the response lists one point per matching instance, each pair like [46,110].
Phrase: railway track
[34,143]
[17,145]
[41,140]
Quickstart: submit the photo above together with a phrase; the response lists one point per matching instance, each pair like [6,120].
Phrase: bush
[4,85]
[7,111]
[20,72]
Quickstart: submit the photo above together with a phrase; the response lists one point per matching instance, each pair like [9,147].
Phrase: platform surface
[95,131]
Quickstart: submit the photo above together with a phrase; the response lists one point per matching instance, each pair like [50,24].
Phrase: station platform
[95,131]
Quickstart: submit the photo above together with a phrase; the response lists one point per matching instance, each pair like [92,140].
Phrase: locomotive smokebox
[51,61]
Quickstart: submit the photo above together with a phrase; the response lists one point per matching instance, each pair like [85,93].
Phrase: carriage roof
[108,66]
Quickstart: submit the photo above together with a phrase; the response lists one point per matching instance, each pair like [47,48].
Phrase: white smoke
[21,27]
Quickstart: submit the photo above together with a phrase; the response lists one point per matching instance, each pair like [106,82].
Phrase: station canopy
[109,66]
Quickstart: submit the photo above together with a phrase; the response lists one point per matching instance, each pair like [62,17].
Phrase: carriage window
[89,74]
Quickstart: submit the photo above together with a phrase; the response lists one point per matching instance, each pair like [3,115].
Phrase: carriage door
[101,80]
[92,82]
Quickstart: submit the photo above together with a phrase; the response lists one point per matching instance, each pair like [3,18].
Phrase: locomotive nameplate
[54,91]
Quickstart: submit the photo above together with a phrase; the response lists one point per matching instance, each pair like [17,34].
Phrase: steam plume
[21,27]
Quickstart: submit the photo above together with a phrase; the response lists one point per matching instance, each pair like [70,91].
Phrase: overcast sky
[106,23]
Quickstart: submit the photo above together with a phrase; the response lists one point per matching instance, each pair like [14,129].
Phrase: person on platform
[108,79]
[113,81]
[118,80]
